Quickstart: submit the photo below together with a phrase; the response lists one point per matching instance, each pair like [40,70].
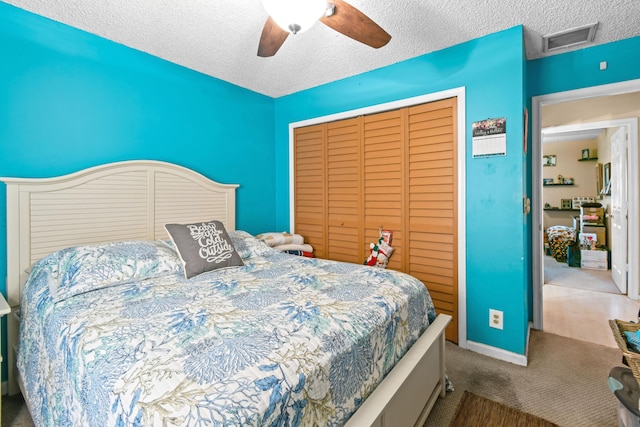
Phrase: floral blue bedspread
[114,335]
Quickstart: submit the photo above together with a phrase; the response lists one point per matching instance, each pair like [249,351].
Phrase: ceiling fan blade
[271,39]
[349,21]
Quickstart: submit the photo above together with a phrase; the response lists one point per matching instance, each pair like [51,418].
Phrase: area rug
[475,411]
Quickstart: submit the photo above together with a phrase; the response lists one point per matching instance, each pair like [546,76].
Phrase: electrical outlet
[495,319]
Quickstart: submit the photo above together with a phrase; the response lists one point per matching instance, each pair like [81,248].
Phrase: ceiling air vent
[569,38]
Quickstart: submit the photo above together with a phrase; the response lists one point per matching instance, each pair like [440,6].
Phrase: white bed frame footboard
[407,394]
[132,201]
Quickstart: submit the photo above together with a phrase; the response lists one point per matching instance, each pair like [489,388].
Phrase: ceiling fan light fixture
[295,16]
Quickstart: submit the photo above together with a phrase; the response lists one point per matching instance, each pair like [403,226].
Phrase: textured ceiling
[220,37]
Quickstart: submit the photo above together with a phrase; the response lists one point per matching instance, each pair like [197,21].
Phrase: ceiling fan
[295,16]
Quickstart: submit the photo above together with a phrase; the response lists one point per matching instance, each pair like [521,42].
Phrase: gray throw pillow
[203,246]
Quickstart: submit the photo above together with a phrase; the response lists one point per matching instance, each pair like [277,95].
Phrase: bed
[278,340]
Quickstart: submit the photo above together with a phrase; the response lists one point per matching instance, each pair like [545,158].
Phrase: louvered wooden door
[432,204]
[344,187]
[310,182]
[395,169]
[383,179]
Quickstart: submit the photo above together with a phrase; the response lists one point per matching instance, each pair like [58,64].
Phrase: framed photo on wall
[549,160]
[606,179]
[566,204]
[585,153]
[599,173]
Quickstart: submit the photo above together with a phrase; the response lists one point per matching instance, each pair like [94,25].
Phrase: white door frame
[537,102]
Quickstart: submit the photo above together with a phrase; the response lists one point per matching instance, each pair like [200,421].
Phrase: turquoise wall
[580,69]
[492,71]
[71,100]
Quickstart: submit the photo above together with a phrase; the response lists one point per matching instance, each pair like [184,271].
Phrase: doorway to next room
[584,284]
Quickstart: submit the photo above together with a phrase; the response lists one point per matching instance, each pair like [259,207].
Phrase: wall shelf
[561,210]
[588,159]
[554,185]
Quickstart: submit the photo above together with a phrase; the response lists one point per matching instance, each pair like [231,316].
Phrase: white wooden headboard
[130,200]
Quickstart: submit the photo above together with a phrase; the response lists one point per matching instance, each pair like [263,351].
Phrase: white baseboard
[500,354]
[497,353]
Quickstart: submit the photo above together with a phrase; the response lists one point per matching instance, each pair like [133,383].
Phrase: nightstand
[4,310]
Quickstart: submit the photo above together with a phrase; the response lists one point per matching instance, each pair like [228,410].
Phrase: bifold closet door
[432,204]
[310,178]
[396,170]
[383,180]
[328,188]
[344,189]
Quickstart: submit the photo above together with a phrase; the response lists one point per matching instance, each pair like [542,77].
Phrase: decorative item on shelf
[588,241]
[547,181]
[549,160]
[566,203]
[568,181]
[588,154]
[547,206]
[578,201]
[560,179]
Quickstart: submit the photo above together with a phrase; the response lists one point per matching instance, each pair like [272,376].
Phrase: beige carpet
[565,383]
[560,274]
